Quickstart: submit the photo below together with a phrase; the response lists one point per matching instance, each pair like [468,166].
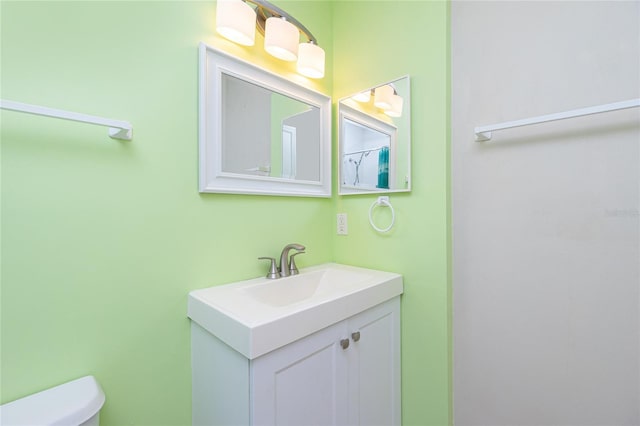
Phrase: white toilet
[76,403]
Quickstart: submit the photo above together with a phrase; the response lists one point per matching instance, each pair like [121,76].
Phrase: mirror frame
[213,64]
[362,118]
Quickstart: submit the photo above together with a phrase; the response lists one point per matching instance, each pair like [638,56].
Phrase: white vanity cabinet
[345,374]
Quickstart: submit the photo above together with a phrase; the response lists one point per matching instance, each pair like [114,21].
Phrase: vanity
[318,348]
[321,347]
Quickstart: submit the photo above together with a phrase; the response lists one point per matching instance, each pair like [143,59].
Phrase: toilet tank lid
[71,403]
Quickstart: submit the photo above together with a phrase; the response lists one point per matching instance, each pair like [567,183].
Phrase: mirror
[261,133]
[375,139]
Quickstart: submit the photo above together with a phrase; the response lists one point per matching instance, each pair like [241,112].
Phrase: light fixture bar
[237,20]
[265,10]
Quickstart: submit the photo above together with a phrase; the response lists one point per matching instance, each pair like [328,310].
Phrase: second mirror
[375,139]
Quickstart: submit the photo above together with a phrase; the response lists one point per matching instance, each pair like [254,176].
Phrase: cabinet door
[303,383]
[374,366]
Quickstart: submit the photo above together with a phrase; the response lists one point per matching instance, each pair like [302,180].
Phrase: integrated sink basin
[311,284]
[259,315]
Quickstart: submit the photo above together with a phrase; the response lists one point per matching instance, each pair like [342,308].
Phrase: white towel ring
[382,201]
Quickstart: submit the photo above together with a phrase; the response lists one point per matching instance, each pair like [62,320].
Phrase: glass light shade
[311,60]
[382,97]
[362,96]
[281,39]
[236,21]
[396,106]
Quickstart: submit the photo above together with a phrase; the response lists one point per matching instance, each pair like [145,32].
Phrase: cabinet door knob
[355,336]
[344,343]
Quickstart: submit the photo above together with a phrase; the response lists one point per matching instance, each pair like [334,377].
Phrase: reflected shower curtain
[383,168]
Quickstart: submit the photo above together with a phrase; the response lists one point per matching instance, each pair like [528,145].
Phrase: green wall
[103,239]
[389,39]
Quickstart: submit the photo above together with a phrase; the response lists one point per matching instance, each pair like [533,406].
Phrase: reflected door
[288,152]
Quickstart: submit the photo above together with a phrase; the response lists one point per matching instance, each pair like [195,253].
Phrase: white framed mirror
[260,133]
[375,139]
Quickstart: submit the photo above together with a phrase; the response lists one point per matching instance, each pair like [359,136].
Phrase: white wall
[247,126]
[307,126]
[546,219]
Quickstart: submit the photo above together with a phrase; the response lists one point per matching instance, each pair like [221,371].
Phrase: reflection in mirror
[365,161]
[267,133]
[261,133]
[375,139]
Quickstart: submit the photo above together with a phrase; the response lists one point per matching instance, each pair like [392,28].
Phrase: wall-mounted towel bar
[483,133]
[117,129]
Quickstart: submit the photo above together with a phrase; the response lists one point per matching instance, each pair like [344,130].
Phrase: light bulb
[363,97]
[311,60]
[236,21]
[281,39]
[396,106]
[382,97]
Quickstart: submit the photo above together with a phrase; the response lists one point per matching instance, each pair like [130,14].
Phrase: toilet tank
[76,403]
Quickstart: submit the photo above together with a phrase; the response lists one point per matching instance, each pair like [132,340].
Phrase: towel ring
[382,201]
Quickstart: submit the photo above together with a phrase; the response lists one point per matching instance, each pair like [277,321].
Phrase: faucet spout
[284,258]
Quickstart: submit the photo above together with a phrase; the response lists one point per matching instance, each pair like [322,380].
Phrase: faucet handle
[293,269]
[273,268]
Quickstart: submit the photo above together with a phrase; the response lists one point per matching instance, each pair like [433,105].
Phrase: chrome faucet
[288,266]
[287,263]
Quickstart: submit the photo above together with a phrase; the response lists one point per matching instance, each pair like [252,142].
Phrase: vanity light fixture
[281,39]
[362,97]
[281,33]
[384,97]
[235,22]
[396,106]
[311,60]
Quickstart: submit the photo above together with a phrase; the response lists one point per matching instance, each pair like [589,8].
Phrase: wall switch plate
[342,224]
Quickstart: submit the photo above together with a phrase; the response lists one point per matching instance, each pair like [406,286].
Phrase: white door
[303,383]
[374,366]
